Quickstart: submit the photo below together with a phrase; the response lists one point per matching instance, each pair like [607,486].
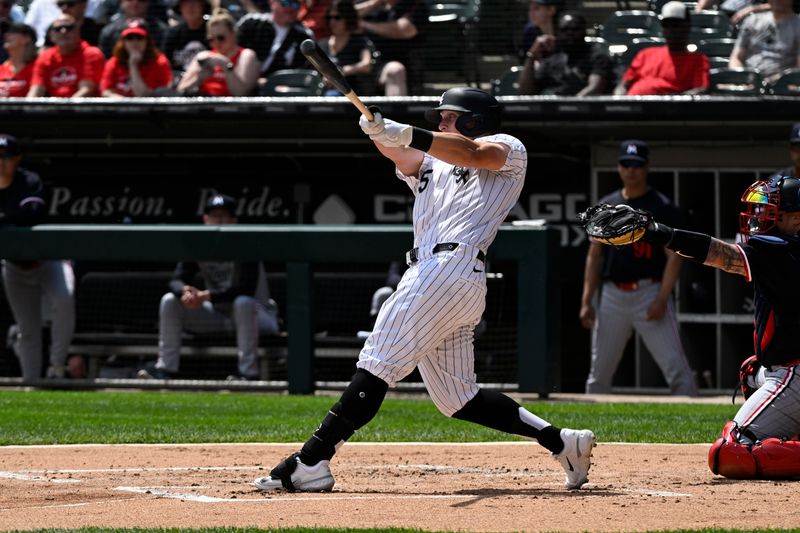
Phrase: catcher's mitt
[617,225]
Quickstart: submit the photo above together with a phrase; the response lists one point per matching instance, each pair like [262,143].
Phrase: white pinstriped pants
[428,323]
[774,409]
[619,313]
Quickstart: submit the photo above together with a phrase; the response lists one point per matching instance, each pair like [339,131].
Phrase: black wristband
[421,139]
[690,245]
[659,234]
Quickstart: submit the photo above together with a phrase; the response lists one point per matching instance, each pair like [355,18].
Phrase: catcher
[760,442]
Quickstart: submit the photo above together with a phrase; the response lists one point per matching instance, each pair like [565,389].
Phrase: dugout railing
[533,249]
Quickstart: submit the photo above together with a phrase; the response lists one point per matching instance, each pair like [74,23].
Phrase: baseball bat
[320,61]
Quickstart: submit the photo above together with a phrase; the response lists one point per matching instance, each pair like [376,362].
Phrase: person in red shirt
[19,41]
[669,69]
[136,67]
[71,68]
[225,70]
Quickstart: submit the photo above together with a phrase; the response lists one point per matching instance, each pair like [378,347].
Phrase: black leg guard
[358,405]
[498,411]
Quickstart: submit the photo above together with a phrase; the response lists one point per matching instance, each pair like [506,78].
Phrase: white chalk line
[281,498]
[26,477]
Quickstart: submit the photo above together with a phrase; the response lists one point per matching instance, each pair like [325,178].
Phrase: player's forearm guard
[421,139]
[688,244]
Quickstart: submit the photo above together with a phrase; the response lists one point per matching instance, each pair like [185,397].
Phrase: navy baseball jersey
[22,203]
[641,260]
[772,265]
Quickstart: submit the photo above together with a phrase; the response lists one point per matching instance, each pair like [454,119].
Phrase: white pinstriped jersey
[465,205]
[428,322]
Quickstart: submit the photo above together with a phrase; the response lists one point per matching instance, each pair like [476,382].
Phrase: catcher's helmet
[480,110]
[763,200]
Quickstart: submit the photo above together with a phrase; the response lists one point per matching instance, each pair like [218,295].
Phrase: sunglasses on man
[65,28]
[292,4]
[66,3]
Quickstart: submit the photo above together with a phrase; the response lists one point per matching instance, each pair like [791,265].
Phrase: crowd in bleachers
[121,48]
[675,47]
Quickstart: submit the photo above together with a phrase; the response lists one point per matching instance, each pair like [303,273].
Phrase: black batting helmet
[480,110]
[763,200]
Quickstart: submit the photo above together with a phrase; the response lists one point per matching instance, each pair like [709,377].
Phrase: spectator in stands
[72,68]
[88,28]
[312,15]
[542,15]
[227,69]
[352,52]
[768,41]
[669,69]
[396,27]
[794,154]
[7,17]
[136,67]
[566,65]
[28,284]
[235,298]
[42,13]
[16,72]
[275,37]
[131,9]
[188,37]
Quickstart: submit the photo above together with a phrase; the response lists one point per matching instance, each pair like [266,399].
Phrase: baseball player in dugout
[761,442]
[234,298]
[465,178]
[636,286]
[31,284]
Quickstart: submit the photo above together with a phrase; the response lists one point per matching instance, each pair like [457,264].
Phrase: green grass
[58,417]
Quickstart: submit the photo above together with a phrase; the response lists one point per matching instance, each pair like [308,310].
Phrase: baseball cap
[22,29]
[221,201]
[135,27]
[674,10]
[633,150]
[548,2]
[9,146]
[794,136]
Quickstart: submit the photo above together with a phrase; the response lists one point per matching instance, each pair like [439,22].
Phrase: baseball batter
[465,179]
[761,440]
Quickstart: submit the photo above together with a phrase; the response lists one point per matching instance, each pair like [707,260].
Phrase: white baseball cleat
[295,476]
[576,457]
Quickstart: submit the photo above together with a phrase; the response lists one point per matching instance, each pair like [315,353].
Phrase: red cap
[135,27]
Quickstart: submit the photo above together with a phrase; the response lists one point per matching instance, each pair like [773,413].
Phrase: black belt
[412,256]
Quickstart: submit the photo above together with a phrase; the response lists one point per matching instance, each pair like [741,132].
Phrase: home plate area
[467,487]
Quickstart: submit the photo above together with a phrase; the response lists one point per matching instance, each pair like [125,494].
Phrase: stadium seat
[293,82]
[717,50]
[709,24]
[735,82]
[508,83]
[634,47]
[788,84]
[621,27]
[450,43]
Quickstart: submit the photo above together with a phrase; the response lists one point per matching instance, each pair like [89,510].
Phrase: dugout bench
[533,248]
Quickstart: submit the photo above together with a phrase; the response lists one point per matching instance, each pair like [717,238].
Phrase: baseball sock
[498,411]
[358,405]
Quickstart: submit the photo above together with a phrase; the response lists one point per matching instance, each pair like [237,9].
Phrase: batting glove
[394,134]
[374,126]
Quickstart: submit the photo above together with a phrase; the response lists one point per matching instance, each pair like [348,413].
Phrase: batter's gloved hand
[374,126]
[394,134]
[617,225]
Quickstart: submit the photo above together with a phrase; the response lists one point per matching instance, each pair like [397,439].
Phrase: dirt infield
[471,487]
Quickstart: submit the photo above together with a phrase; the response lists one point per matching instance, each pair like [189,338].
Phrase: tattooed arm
[727,257]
